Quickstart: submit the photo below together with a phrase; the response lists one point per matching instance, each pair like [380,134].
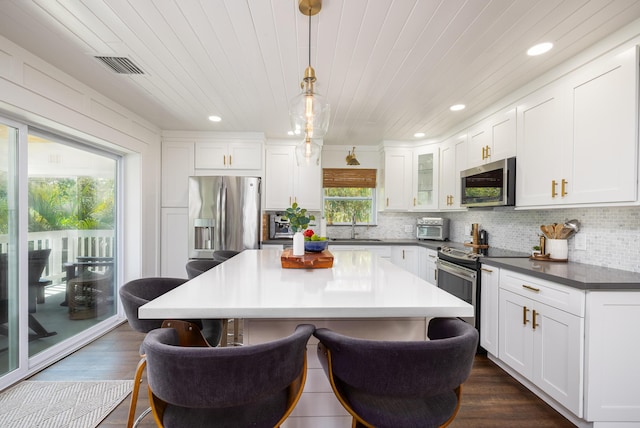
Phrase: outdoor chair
[400,384]
[249,386]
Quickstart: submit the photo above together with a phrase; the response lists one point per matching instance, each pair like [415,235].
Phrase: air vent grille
[120,65]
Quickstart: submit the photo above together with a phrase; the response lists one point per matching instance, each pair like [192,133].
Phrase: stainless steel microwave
[434,228]
[489,185]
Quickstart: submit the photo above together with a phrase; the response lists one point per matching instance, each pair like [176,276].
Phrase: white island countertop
[253,284]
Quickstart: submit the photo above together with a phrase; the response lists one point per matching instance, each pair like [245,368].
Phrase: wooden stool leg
[225,332]
[136,389]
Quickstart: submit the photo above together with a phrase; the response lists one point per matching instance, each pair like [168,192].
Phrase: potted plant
[298,221]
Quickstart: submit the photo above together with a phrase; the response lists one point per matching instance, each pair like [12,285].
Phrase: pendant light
[308,111]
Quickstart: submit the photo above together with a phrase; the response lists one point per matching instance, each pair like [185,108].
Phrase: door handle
[524,315]
[534,324]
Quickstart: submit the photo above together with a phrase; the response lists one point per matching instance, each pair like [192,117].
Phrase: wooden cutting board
[321,260]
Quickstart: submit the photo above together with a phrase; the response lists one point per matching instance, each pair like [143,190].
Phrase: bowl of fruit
[314,243]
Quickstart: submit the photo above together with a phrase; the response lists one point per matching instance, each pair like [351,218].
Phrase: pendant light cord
[309,37]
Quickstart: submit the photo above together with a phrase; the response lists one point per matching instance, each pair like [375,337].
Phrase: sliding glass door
[9,267]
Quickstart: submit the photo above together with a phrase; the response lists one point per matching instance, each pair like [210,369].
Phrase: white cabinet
[236,155]
[426,164]
[427,267]
[383,251]
[286,182]
[492,139]
[577,141]
[177,166]
[489,297]
[613,351]
[453,159]
[407,257]
[397,176]
[541,335]
[410,179]
[174,242]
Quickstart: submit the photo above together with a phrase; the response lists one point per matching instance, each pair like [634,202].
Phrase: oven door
[460,281]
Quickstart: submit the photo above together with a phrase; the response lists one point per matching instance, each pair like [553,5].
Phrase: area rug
[61,404]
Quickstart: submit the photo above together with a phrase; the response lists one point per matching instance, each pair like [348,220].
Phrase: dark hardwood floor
[491,398]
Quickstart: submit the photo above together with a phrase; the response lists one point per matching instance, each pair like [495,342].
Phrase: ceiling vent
[120,65]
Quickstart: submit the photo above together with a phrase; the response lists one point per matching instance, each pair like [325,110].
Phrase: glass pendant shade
[309,114]
[308,153]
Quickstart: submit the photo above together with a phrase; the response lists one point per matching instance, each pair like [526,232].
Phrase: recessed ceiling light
[290,133]
[457,107]
[539,49]
[215,118]
[419,134]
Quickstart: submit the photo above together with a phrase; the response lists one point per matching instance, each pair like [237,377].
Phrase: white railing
[66,246]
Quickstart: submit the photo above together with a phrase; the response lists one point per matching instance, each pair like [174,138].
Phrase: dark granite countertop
[577,275]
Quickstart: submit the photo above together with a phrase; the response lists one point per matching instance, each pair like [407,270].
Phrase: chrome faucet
[353,226]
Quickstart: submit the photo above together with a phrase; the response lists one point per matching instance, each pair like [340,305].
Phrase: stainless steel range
[458,272]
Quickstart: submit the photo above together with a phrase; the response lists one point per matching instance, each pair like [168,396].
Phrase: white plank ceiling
[389,68]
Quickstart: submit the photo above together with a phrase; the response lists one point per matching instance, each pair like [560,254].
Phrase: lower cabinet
[407,257]
[174,242]
[427,267]
[542,340]
[489,288]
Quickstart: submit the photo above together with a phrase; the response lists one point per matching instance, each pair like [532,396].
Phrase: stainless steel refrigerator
[224,214]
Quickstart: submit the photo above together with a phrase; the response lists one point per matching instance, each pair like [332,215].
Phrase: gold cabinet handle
[432,256]
[414,202]
[488,152]
[534,324]
[230,162]
[528,287]
[524,315]
[553,188]
[387,201]
[483,154]
[563,190]
[224,160]
[289,200]
[486,270]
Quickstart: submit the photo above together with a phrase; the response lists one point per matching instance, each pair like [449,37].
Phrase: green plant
[298,217]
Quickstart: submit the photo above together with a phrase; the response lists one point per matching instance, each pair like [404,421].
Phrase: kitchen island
[361,295]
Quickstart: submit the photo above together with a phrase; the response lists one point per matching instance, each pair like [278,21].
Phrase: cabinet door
[503,135]
[397,179]
[174,242]
[308,187]
[478,144]
[211,155]
[406,257]
[489,304]
[245,155]
[541,142]
[425,178]
[613,353]
[429,263]
[605,118]
[279,171]
[453,159]
[515,341]
[558,355]
[177,166]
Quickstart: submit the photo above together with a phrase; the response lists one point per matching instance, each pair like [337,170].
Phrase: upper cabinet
[410,178]
[177,166]
[492,139]
[426,164]
[286,182]
[235,155]
[396,180]
[577,139]
[453,159]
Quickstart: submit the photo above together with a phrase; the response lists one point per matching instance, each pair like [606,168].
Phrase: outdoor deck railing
[66,246]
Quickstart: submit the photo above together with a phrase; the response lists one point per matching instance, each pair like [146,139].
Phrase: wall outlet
[408,228]
[581,241]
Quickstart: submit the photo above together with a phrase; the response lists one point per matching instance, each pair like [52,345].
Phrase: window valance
[347,177]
